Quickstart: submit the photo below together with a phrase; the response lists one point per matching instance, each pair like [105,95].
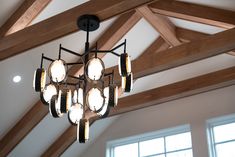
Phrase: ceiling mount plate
[88,22]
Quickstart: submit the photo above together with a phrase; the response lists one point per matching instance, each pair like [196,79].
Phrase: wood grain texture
[63,24]
[162,24]
[190,35]
[113,34]
[196,13]
[200,84]
[23,16]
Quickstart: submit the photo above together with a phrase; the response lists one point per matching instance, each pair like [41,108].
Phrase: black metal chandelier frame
[86,23]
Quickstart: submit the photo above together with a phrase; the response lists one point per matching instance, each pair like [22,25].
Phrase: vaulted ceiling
[178,49]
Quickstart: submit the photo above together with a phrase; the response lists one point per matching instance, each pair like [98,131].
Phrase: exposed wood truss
[23,16]
[63,24]
[120,27]
[156,58]
[165,28]
[196,13]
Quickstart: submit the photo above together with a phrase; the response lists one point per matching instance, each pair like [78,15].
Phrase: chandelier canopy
[88,91]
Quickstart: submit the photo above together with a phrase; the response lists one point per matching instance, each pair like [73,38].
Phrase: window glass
[154,146]
[225,149]
[185,153]
[172,142]
[129,150]
[224,132]
[162,155]
[178,141]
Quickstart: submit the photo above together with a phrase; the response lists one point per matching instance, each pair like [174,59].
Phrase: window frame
[211,123]
[163,133]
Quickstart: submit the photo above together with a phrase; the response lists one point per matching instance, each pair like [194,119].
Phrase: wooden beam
[196,13]
[63,24]
[117,30]
[23,16]
[200,84]
[189,35]
[189,87]
[158,45]
[162,24]
[183,54]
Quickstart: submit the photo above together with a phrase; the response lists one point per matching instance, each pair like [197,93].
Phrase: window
[175,142]
[222,137]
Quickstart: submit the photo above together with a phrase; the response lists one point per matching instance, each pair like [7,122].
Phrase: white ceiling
[17,99]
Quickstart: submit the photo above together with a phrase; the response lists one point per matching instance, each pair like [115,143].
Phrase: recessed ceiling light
[16,78]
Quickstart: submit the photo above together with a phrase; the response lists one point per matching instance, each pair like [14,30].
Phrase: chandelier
[88,91]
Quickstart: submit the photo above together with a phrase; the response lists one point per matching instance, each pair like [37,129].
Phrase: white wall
[193,110]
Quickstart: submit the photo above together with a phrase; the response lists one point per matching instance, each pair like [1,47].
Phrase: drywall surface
[193,110]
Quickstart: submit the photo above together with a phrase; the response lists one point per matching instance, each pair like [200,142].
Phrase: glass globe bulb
[75,113]
[95,99]
[48,92]
[106,95]
[57,71]
[95,69]
[78,96]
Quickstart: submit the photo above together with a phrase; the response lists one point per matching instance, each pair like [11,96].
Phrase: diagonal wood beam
[163,60]
[158,45]
[62,143]
[162,24]
[118,29]
[189,87]
[200,84]
[63,24]
[196,13]
[189,35]
[23,16]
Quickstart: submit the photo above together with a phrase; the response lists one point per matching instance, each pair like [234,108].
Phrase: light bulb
[57,70]
[48,92]
[39,80]
[106,95]
[54,106]
[124,64]
[95,69]
[75,113]
[78,96]
[95,99]
[127,83]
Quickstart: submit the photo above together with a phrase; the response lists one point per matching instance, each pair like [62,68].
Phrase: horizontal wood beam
[197,85]
[63,24]
[23,16]
[116,31]
[162,24]
[189,87]
[196,13]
